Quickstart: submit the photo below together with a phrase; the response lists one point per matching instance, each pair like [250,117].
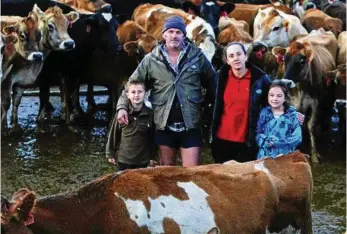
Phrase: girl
[278,129]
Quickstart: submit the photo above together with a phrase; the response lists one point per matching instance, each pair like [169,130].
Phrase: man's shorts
[186,139]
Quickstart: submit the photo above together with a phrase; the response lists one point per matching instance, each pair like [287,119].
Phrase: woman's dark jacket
[260,83]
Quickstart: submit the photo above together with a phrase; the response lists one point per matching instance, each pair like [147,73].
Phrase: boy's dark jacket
[260,83]
[135,141]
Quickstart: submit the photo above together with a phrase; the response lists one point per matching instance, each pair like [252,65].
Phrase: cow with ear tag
[52,34]
[307,62]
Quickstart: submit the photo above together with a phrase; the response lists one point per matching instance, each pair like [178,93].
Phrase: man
[175,72]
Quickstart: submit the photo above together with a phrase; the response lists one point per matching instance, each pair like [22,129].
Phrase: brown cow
[315,19]
[253,197]
[88,5]
[53,24]
[135,39]
[230,31]
[307,61]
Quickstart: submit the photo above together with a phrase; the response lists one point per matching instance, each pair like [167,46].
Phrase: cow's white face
[275,34]
[192,216]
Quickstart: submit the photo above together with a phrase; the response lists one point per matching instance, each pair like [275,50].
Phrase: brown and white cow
[315,19]
[248,12]
[276,28]
[230,198]
[307,61]
[152,18]
[53,25]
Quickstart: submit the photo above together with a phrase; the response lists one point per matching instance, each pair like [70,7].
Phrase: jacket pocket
[196,99]
[157,101]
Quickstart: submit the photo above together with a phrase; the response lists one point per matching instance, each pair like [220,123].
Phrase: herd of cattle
[258,197]
[72,42]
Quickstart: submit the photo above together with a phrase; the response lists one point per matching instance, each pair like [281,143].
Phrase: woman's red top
[234,121]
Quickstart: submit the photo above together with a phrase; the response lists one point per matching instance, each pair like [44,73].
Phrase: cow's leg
[311,125]
[65,98]
[77,109]
[17,93]
[90,98]
[44,100]
[5,105]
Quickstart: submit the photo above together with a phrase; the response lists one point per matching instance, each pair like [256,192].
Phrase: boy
[134,141]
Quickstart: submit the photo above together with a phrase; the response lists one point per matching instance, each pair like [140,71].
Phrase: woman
[241,93]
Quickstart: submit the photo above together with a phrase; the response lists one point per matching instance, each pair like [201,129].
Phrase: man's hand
[152,163]
[301,118]
[112,161]
[122,117]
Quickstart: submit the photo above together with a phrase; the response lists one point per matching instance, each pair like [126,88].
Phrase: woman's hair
[134,82]
[284,87]
[230,44]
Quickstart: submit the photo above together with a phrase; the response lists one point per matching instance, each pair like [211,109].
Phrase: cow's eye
[51,27]
[276,28]
[302,62]
[22,36]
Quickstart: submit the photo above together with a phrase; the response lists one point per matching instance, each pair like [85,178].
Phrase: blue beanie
[174,22]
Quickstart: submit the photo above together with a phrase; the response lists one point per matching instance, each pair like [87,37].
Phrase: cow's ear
[279,53]
[262,14]
[27,204]
[5,205]
[9,39]
[190,8]
[91,22]
[286,25]
[228,7]
[214,230]
[131,47]
[10,29]
[36,10]
[309,55]
[72,17]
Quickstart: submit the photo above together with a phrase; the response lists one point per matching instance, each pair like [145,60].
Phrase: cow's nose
[38,56]
[69,44]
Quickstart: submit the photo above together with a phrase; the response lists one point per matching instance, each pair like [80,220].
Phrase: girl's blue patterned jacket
[284,132]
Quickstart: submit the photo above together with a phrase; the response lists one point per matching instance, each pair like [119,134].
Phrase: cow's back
[173,200]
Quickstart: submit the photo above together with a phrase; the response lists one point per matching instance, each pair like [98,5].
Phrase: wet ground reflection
[63,158]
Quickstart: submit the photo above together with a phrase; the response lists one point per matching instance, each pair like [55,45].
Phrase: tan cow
[152,18]
[276,28]
[341,57]
[308,59]
[315,19]
[53,25]
[7,41]
[254,197]
[248,12]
